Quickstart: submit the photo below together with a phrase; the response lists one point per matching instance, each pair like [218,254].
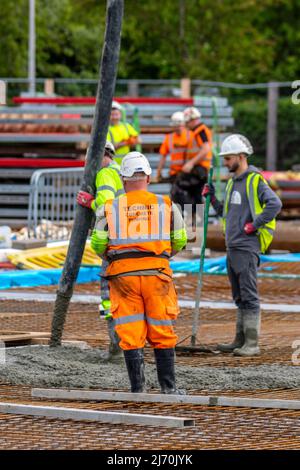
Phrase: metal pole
[196,317]
[271,163]
[133,88]
[83,216]
[216,148]
[31,48]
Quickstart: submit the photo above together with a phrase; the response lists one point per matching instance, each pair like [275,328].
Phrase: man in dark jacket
[248,213]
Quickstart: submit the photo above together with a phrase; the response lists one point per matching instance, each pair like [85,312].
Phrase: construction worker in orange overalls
[175,144]
[188,186]
[138,233]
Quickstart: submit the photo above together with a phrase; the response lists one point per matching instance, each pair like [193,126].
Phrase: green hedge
[251,119]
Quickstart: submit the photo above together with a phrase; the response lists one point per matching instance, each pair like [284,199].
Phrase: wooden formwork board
[16,337]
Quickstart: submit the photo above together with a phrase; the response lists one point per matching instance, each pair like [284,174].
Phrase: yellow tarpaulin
[54,257]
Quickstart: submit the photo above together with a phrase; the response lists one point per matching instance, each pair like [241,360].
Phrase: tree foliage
[251,119]
[228,40]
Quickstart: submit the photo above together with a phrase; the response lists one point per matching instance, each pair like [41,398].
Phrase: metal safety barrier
[52,202]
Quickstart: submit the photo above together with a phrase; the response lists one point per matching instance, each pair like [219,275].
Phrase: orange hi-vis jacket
[139,226]
[177,145]
[202,134]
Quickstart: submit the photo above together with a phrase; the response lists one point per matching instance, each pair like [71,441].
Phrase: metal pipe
[31,49]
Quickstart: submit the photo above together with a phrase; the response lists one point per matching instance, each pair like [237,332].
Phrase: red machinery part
[91,100]
[39,163]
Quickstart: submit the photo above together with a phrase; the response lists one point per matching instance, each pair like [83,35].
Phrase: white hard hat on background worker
[191,113]
[116,105]
[109,149]
[177,119]
[235,144]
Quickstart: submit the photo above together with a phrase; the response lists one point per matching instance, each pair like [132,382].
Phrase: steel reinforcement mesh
[278,332]
[216,427]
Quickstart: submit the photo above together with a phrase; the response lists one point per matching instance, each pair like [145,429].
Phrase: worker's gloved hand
[84,199]
[209,190]
[249,228]
[131,141]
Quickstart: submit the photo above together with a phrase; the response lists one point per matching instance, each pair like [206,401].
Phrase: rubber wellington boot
[239,335]
[251,325]
[134,359]
[114,353]
[165,366]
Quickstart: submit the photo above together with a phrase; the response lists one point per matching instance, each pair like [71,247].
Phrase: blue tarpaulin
[218,265]
[43,277]
[46,277]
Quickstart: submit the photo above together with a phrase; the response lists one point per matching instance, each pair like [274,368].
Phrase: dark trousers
[242,273]
[187,187]
[104,282]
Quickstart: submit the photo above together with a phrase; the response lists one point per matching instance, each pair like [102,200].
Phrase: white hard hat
[235,144]
[177,118]
[110,149]
[116,105]
[135,162]
[191,113]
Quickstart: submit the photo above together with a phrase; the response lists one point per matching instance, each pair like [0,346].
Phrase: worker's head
[109,153]
[177,121]
[192,117]
[235,150]
[135,171]
[116,113]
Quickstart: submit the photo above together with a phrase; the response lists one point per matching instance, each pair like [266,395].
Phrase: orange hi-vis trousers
[144,308]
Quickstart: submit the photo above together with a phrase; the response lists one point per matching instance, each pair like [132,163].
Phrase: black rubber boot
[134,359]
[165,366]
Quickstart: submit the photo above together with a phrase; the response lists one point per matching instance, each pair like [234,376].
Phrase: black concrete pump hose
[83,216]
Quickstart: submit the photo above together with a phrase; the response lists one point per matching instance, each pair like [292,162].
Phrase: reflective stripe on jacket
[118,133]
[109,185]
[197,144]
[266,232]
[177,145]
[139,226]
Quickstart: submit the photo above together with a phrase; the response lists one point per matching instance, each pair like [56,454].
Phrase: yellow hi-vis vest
[266,232]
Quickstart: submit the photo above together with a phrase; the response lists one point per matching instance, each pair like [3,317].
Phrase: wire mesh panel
[52,202]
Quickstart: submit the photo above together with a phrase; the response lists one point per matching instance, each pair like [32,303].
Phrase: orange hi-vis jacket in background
[176,145]
[139,225]
[202,134]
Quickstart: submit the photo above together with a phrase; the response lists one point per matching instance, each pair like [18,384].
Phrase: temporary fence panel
[52,202]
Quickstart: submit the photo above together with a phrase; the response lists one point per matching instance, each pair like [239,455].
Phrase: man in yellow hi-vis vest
[138,233]
[109,185]
[121,133]
[248,212]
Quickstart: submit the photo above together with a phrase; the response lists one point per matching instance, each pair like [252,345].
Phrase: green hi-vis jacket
[266,231]
[109,185]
